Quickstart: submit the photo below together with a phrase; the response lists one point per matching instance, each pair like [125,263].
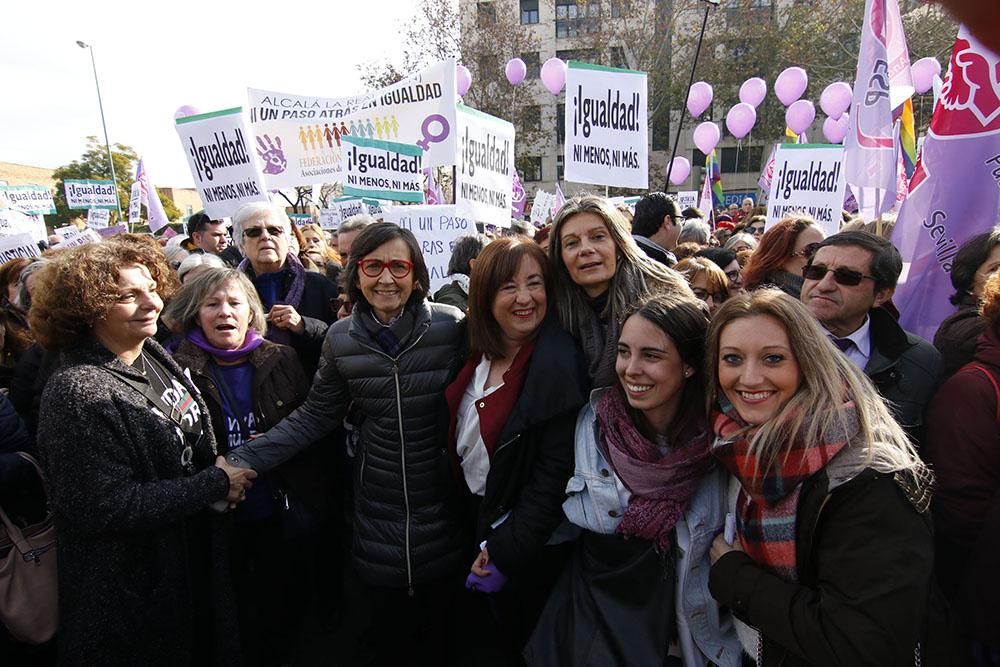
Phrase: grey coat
[406,523]
[142,566]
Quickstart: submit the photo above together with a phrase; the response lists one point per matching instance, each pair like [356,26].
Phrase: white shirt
[861,351]
[470,447]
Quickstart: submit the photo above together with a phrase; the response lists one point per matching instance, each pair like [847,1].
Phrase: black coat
[406,512]
[864,555]
[534,455]
[134,530]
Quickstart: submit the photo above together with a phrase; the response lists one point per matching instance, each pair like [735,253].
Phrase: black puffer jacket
[406,508]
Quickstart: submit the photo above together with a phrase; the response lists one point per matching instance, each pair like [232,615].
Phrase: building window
[486,15]
[582,55]
[750,159]
[577,17]
[560,167]
[529,12]
[533,64]
[616,57]
[531,121]
[532,169]
[560,124]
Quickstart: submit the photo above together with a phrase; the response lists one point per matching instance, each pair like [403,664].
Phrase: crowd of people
[625,438]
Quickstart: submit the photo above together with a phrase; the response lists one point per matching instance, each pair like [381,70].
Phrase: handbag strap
[15,534]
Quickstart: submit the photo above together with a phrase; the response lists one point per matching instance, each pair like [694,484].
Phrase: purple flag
[518,198]
[869,149]
[767,173]
[147,195]
[955,190]
[559,201]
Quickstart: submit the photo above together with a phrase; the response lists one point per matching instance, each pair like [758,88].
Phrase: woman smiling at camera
[131,462]
[647,499]
[513,410]
[600,272]
[390,361]
[833,558]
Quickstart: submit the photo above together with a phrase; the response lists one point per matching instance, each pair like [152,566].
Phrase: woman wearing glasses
[298,303]
[781,255]
[707,281]
[390,361]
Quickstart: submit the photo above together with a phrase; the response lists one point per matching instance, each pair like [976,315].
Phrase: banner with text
[606,126]
[300,138]
[484,180]
[541,207]
[808,178]
[14,222]
[98,218]
[135,204]
[383,170]
[90,194]
[17,246]
[687,199]
[30,199]
[221,162]
[436,229]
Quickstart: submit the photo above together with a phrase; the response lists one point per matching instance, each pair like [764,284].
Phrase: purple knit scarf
[293,297]
[661,485]
[251,342]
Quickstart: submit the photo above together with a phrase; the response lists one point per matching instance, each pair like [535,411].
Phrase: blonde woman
[600,273]
[833,557]
[706,279]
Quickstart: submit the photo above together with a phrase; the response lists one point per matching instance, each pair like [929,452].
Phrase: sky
[153,58]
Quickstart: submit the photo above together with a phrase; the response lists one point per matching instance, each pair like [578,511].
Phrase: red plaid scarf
[769,500]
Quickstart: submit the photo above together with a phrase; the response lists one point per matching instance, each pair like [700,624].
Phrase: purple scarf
[661,485]
[293,297]
[252,341]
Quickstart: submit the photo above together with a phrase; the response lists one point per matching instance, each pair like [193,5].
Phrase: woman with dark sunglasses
[298,303]
[782,254]
[390,362]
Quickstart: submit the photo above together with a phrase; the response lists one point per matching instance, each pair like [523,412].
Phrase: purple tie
[844,344]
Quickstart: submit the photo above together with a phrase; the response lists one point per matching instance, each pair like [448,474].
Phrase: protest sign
[483,180]
[98,218]
[329,218]
[221,163]
[606,126]
[300,138]
[436,229]
[90,194]
[383,169]
[108,232]
[16,246]
[808,178]
[14,222]
[66,231]
[375,207]
[299,219]
[349,207]
[687,199]
[541,206]
[29,199]
[83,238]
[135,204]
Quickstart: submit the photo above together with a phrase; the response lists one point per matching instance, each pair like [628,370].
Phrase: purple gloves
[490,584]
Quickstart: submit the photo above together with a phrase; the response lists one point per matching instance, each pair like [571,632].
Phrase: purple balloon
[680,171]
[753,91]
[463,79]
[185,110]
[836,99]
[923,72]
[835,129]
[706,136]
[790,85]
[800,116]
[554,75]
[699,97]
[516,70]
[741,119]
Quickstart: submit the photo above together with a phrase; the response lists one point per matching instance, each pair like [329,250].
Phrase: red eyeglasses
[373,268]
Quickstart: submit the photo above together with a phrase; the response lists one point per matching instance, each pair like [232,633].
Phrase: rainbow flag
[713,167]
[908,138]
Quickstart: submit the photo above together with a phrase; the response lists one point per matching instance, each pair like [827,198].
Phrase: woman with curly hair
[133,469]
[781,255]
[599,273]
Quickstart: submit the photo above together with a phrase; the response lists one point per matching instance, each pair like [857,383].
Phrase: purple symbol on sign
[425,130]
[271,153]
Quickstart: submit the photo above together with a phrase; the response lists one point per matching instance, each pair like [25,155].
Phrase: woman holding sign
[599,273]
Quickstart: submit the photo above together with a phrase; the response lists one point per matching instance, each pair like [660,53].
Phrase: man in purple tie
[848,279]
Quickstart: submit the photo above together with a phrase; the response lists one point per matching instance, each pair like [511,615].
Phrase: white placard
[541,206]
[483,178]
[18,245]
[83,238]
[808,178]
[14,222]
[90,194]
[300,138]
[383,170]
[135,204]
[98,218]
[66,231]
[329,218]
[436,228]
[29,199]
[219,155]
[687,199]
[606,126]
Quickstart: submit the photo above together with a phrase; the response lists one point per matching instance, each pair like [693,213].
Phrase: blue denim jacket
[706,636]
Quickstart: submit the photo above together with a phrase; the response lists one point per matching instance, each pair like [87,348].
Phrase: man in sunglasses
[848,279]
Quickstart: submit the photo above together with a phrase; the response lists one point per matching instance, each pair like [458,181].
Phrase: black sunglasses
[255,232]
[755,229]
[807,250]
[841,275]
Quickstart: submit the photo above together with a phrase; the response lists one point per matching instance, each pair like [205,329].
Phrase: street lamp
[111,161]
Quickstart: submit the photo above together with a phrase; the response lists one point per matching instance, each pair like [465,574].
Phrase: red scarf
[768,502]
[661,485]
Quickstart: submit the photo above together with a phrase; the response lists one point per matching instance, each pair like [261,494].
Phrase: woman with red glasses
[390,362]
[781,255]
